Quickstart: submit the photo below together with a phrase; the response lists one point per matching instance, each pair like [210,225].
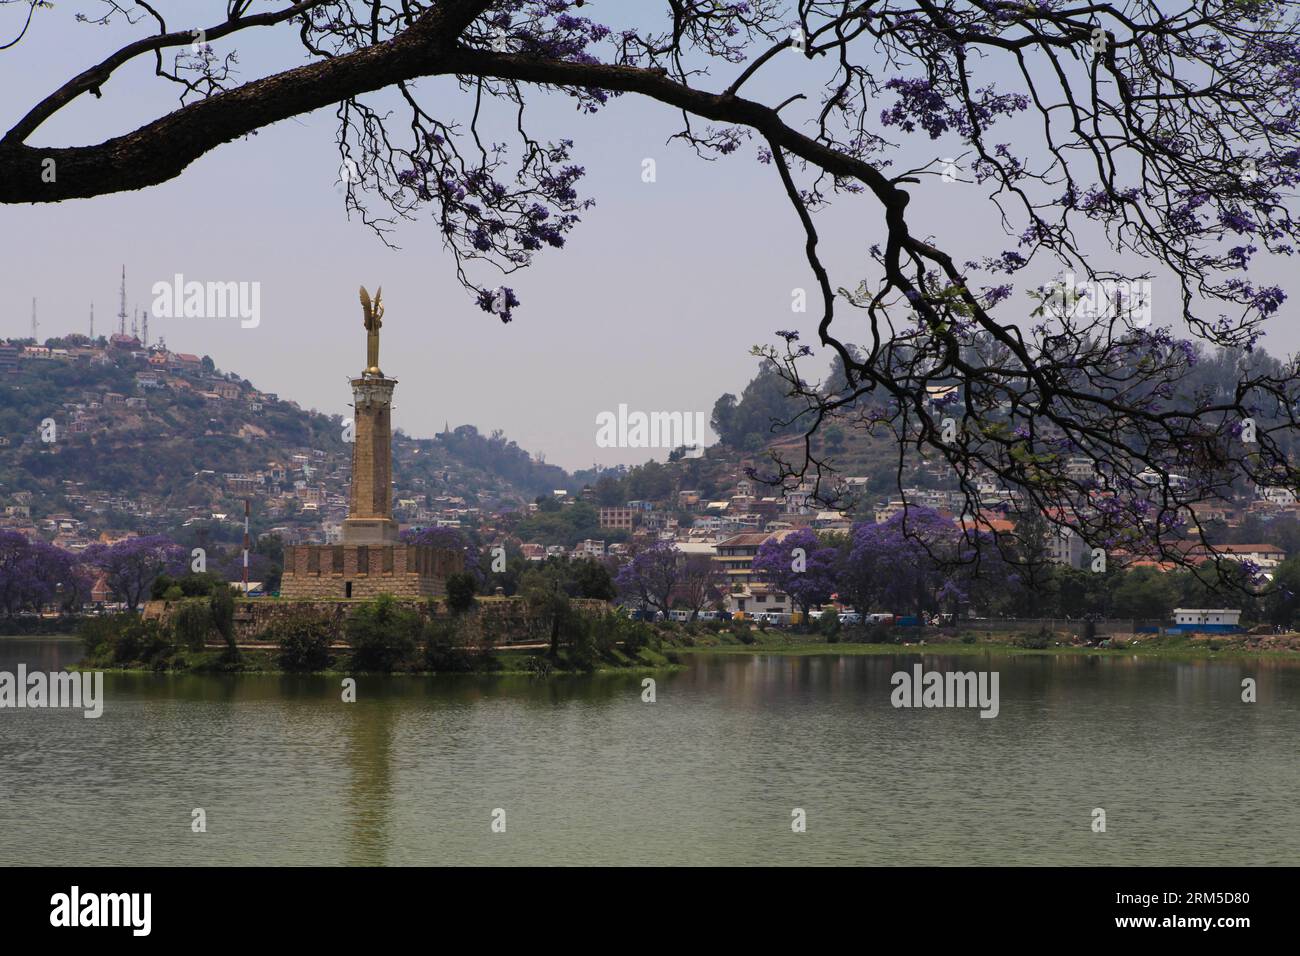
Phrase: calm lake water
[709,774]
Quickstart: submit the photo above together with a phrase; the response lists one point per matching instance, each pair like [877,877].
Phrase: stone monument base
[347,571]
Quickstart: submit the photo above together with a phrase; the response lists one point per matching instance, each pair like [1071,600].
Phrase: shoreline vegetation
[386,636]
[380,636]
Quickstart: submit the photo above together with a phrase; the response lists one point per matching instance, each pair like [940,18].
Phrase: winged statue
[374,319]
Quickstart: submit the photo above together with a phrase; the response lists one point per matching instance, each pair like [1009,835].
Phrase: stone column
[370,504]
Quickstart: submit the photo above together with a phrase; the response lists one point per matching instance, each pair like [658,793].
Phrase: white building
[1218,616]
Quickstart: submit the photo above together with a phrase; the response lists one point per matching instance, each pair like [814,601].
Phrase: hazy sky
[654,303]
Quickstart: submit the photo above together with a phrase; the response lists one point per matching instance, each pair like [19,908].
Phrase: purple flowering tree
[34,574]
[650,576]
[800,565]
[915,562]
[1089,132]
[131,565]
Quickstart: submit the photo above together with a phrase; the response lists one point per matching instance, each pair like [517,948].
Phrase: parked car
[850,617]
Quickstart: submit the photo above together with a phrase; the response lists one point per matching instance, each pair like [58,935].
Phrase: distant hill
[149,439]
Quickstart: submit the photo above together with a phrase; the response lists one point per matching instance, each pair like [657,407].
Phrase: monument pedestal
[370,531]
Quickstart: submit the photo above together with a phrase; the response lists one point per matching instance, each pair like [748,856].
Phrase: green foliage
[187,585]
[445,648]
[1038,640]
[828,625]
[192,624]
[580,643]
[221,605]
[461,590]
[125,639]
[563,524]
[539,665]
[304,641]
[591,579]
[763,404]
[383,634]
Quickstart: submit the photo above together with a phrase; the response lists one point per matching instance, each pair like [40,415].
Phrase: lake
[587,773]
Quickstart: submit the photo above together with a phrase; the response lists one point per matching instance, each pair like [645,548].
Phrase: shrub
[125,639]
[636,635]
[581,644]
[173,593]
[97,633]
[461,591]
[221,605]
[1037,641]
[605,632]
[383,635]
[192,623]
[968,638]
[539,665]
[304,642]
[828,625]
[445,647]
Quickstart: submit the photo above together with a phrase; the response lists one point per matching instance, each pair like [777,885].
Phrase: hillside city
[78,475]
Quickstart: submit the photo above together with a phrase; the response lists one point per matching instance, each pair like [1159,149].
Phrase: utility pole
[246,509]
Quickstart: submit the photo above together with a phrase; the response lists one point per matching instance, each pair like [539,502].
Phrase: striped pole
[246,547]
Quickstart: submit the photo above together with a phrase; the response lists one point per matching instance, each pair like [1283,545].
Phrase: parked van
[850,617]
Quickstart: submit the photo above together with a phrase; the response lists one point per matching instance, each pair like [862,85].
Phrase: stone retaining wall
[504,620]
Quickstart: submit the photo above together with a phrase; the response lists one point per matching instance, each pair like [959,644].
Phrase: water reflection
[588,773]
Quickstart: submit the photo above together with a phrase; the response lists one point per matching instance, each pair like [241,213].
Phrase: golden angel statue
[374,319]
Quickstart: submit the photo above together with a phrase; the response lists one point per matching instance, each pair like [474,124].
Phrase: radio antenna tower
[92,322]
[35,325]
[121,311]
[145,323]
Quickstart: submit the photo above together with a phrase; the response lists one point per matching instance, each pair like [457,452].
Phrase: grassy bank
[1174,646]
[507,662]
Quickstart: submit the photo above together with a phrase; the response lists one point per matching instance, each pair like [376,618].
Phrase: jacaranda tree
[1115,144]
[799,565]
[130,566]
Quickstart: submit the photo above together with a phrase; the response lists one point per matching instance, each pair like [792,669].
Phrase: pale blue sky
[654,303]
